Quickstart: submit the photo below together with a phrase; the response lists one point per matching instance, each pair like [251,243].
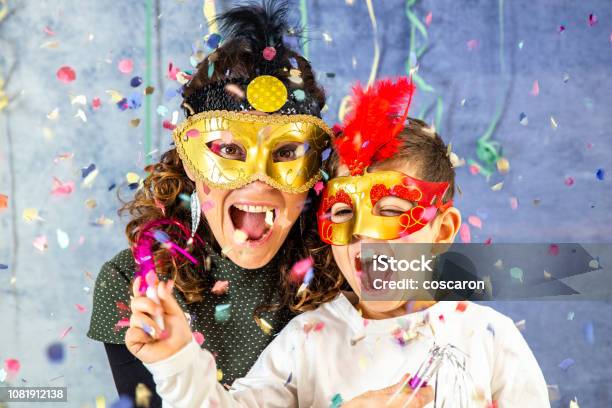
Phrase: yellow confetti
[132,177]
[88,181]
[91,203]
[50,44]
[547,275]
[553,123]
[219,375]
[574,403]
[503,165]
[264,325]
[53,115]
[115,95]
[31,214]
[103,221]
[497,186]
[100,402]
[143,396]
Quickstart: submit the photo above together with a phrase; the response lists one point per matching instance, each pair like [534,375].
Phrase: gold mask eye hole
[340,213]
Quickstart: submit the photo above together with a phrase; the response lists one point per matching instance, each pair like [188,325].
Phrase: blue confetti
[135,100]
[293,62]
[336,401]
[136,82]
[122,104]
[523,119]
[299,94]
[55,352]
[326,153]
[112,186]
[3,266]
[211,69]
[124,401]
[213,40]
[223,312]
[600,174]
[309,275]
[491,329]
[567,363]
[86,170]
[289,379]
[161,236]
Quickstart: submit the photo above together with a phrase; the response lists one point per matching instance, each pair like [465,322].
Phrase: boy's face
[442,229]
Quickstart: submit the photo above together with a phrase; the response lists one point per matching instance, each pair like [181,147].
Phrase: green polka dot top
[233,336]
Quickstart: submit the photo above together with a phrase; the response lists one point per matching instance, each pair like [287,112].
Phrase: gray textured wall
[39,290]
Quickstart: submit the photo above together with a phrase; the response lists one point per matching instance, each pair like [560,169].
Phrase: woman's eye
[391,206]
[288,152]
[340,213]
[232,151]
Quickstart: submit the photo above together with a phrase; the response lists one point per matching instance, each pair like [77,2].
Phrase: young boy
[339,352]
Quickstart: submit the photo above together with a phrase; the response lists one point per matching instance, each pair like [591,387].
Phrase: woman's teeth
[254,208]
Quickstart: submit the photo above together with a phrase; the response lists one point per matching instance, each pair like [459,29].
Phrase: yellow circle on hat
[266,93]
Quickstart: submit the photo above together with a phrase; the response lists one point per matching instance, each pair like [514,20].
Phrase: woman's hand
[144,338]
[382,398]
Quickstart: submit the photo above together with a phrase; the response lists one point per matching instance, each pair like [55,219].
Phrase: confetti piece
[300,269]
[553,249]
[475,221]
[561,28]
[313,326]
[60,188]
[514,203]
[31,214]
[53,115]
[207,205]
[547,275]
[520,45]
[503,165]
[570,316]
[81,115]
[318,187]
[567,363]
[65,332]
[220,288]
[81,308]
[66,74]
[521,325]
[593,20]
[288,381]
[535,89]
[62,238]
[428,18]
[100,402]
[594,264]
[223,312]
[136,82]
[55,352]
[213,40]
[491,329]
[472,45]
[299,94]
[516,273]
[264,325]
[3,201]
[198,337]
[219,374]
[78,100]
[464,233]
[569,181]
[336,401]
[574,403]
[3,374]
[269,53]
[41,243]
[12,366]
[132,178]
[523,120]
[553,123]
[240,236]
[600,174]
[461,306]
[193,133]
[498,186]
[125,66]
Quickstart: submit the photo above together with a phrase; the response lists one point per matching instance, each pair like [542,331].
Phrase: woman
[246,157]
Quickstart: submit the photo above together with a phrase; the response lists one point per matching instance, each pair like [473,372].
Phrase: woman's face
[250,223]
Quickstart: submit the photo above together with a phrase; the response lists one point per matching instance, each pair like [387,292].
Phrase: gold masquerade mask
[228,149]
[361,205]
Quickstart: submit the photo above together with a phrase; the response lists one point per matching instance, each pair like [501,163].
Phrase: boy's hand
[382,398]
[144,338]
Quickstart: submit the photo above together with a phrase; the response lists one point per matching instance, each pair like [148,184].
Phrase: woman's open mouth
[254,220]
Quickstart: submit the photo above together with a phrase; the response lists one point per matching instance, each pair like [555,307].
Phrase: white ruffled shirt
[332,353]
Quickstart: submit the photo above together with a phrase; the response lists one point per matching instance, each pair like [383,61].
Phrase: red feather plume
[370,130]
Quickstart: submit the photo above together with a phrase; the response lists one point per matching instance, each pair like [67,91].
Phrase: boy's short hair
[421,145]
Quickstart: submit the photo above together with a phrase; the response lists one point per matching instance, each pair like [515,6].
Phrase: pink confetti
[535,89]
[488,241]
[168,125]
[593,19]
[60,188]
[81,308]
[300,268]
[193,133]
[96,103]
[569,181]
[125,322]
[220,288]
[553,249]
[461,306]
[207,205]
[41,243]
[514,203]
[125,66]
[475,221]
[474,169]
[472,45]
[464,233]
[318,187]
[65,332]
[198,337]
[441,318]
[428,19]
[313,326]
[12,366]
[172,71]
[49,31]
[561,28]
[66,74]
[269,53]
